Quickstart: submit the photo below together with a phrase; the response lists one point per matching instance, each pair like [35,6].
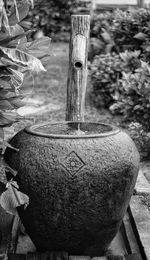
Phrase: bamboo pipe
[77,74]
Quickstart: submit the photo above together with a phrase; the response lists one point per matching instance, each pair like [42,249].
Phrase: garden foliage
[141,139]
[18,58]
[106,73]
[134,101]
[120,71]
[52,18]
[122,30]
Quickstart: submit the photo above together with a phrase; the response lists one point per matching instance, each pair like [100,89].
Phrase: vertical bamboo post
[77,74]
[140,3]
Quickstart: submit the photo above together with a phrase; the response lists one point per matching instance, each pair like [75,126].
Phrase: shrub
[122,30]
[120,74]
[52,17]
[106,72]
[130,29]
[126,89]
[134,99]
[141,139]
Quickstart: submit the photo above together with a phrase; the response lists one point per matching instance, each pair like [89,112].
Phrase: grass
[51,87]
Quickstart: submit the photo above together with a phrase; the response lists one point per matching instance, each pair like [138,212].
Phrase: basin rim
[32,130]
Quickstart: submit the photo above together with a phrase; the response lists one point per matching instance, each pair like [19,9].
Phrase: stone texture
[79,188]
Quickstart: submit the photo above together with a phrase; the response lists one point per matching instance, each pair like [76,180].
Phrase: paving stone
[142,184]
[141,223]
[129,236]
[133,257]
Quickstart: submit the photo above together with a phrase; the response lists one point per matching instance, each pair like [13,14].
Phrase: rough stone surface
[79,189]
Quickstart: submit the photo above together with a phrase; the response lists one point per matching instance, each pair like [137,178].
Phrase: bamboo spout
[77,74]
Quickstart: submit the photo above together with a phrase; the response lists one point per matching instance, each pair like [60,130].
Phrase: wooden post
[140,3]
[77,75]
[93,4]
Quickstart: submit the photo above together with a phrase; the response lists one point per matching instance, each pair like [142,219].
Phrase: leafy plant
[101,38]
[120,74]
[122,30]
[134,100]
[141,139]
[106,73]
[52,18]
[18,58]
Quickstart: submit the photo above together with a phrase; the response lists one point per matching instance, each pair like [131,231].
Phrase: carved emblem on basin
[73,163]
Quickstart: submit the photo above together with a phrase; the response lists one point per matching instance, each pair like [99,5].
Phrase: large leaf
[9,132]
[1,134]
[6,93]
[16,102]
[23,10]
[140,36]
[1,5]
[1,12]
[22,44]
[16,32]
[11,40]
[9,95]
[7,167]
[4,84]
[9,64]
[5,105]
[7,118]
[16,10]
[3,145]
[24,59]
[6,144]
[27,86]
[5,20]
[26,25]
[4,71]
[16,78]
[13,198]
[10,104]
[40,47]
[3,17]
[5,78]
[4,34]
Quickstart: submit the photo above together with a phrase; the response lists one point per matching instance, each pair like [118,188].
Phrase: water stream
[78,131]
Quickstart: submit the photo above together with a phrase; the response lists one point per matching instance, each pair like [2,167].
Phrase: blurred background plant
[134,99]
[122,30]
[52,18]
[141,139]
[106,72]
